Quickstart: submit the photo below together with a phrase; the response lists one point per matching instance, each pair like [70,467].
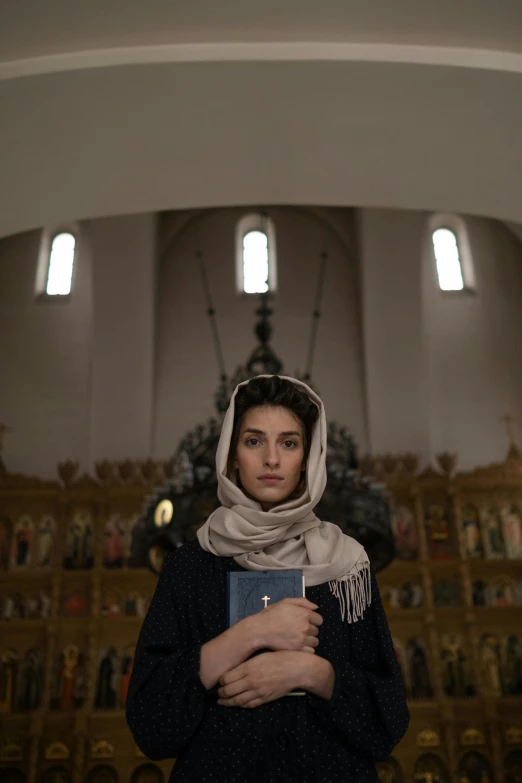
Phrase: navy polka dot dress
[305,739]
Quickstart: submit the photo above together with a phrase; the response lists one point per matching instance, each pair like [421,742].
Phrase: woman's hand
[290,624]
[262,679]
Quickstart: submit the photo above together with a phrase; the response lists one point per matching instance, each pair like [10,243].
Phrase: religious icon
[457,679]
[472,534]
[481,595]
[45,543]
[8,607]
[389,771]
[438,532]
[31,680]
[501,591]
[390,597]
[410,596]
[79,542]
[32,606]
[446,593]
[70,682]
[405,532]
[126,671]
[45,605]
[430,768]
[513,767]
[107,679]
[512,668]
[9,660]
[5,542]
[494,533]
[419,672]
[19,606]
[113,603]
[56,775]
[21,542]
[475,768]
[73,605]
[135,605]
[490,662]
[513,532]
[113,554]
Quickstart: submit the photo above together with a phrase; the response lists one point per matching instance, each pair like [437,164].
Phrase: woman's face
[270,454]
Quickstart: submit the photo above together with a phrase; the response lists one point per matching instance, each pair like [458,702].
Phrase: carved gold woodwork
[513,735]
[11,749]
[472,736]
[428,738]
[102,749]
[56,750]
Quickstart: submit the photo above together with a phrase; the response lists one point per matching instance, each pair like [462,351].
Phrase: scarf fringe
[353,591]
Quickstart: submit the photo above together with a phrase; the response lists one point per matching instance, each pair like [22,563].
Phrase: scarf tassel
[353,591]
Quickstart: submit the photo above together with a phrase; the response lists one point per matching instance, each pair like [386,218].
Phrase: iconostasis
[72,600]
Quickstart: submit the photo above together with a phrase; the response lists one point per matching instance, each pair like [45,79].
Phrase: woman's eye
[252,442]
[290,444]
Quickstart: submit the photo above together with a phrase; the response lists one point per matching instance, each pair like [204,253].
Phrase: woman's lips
[270,481]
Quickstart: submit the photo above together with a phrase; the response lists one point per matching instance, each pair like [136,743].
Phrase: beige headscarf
[289,535]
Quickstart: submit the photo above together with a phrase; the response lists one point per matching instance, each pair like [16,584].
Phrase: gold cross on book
[266,599]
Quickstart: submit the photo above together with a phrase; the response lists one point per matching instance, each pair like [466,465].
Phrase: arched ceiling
[121,107]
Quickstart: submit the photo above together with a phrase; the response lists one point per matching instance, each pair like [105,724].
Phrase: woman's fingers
[233,688]
[308,649]
[240,700]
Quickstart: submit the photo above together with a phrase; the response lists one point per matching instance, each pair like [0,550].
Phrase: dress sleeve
[166,699]
[368,704]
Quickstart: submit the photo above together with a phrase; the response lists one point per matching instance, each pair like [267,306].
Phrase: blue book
[249,592]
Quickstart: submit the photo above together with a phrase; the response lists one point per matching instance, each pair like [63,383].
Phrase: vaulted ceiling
[111,108]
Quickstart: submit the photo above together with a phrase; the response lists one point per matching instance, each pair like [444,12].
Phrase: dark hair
[276,392]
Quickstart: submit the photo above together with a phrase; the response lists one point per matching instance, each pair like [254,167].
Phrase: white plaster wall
[44,361]
[394,348]
[186,370]
[122,352]
[474,348]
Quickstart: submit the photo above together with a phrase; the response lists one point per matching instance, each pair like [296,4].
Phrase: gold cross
[265,598]
[4,429]
[509,421]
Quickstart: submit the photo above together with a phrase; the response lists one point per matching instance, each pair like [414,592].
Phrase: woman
[197,692]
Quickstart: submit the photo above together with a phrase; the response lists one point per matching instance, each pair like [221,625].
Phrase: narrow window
[447,257]
[255,255]
[255,262]
[61,259]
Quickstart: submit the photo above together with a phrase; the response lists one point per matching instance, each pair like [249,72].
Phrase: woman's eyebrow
[285,434]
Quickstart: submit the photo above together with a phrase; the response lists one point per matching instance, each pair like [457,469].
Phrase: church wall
[122,350]
[474,348]
[44,361]
[395,361]
[126,365]
[187,372]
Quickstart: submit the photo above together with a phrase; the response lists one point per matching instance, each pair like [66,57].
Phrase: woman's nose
[271,458]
